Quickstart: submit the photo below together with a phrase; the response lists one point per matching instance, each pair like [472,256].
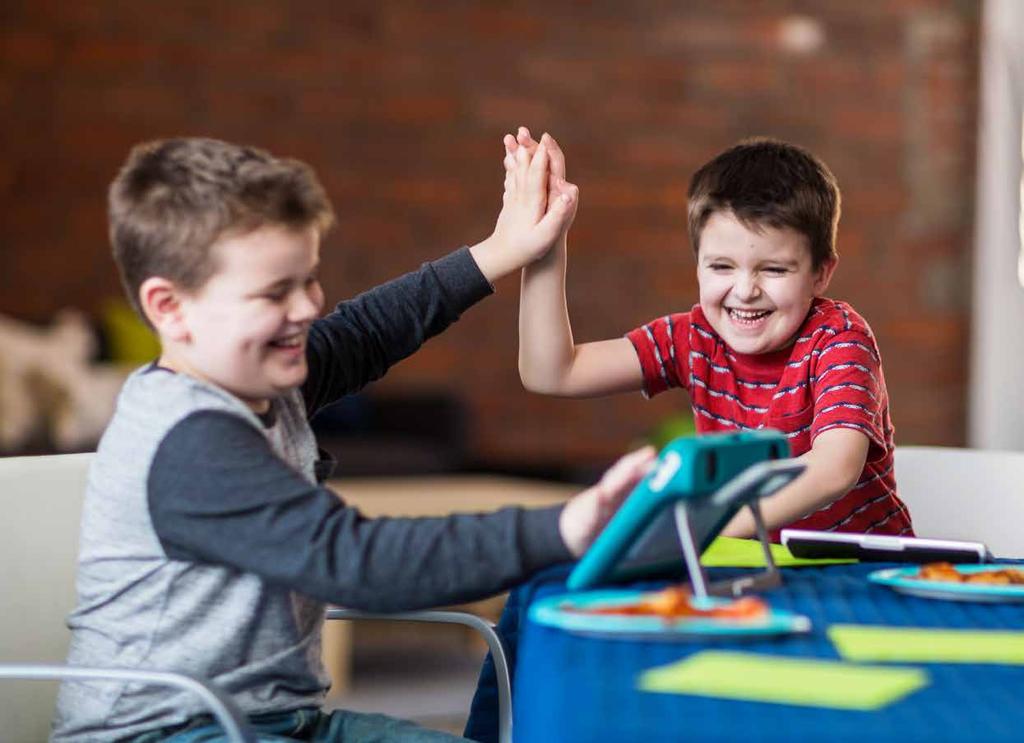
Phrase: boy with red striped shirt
[762,349]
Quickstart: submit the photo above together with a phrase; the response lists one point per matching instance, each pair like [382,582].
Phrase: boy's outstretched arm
[364,336]
[834,464]
[242,506]
[549,361]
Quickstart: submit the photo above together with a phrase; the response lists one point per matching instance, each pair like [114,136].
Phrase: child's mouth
[747,318]
[288,343]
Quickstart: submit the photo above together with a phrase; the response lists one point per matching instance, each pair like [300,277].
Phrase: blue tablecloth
[576,689]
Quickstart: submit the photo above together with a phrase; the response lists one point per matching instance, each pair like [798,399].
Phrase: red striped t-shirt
[831,377]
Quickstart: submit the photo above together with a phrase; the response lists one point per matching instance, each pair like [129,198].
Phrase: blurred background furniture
[395,434]
[970,494]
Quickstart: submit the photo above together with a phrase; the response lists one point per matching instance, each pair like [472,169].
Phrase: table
[431,495]
[439,495]
[580,689]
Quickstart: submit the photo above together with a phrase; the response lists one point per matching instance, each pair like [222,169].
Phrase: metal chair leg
[224,709]
[482,626]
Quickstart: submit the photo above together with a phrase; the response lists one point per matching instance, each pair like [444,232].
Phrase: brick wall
[400,107]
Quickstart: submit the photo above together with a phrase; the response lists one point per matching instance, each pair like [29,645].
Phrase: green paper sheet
[784,680]
[730,552]
[919,645]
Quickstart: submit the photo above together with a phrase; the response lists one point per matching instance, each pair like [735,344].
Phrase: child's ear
[160,301]
[823,275]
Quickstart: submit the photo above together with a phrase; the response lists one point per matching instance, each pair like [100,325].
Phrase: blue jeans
[308,724]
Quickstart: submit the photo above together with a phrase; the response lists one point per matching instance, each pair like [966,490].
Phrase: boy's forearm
[362,337]
[494,259]
[833,468]
[803,496]
[237,504]
[546,346]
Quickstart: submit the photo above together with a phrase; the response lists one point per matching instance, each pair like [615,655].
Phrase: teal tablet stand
[697,486]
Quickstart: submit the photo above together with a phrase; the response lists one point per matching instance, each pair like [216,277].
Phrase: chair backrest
[41,503]
[969,494]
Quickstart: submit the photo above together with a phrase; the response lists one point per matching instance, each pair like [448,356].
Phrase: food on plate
[675,602]
[945,572]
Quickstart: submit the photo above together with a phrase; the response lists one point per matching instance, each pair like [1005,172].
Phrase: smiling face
[756,286]
[245,329]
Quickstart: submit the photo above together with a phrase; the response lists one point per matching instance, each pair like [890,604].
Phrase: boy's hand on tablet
[586,514]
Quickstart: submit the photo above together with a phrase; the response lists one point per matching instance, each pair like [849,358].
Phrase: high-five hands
[537,209]
[556,170]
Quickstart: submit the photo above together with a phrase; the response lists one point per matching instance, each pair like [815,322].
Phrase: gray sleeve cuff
[540,538]
[463,282]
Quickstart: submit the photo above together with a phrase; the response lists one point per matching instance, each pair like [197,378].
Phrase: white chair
[969,494]
[41,502]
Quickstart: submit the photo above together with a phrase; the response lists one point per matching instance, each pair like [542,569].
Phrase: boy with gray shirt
[208,544]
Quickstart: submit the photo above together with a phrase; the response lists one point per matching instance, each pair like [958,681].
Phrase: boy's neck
[179,366]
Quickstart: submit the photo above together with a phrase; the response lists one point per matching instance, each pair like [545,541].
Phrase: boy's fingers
[510,147]
[522,165]
[561,186]
[638,459]
[538,174]
[556,215]
[628,471]
[525,140]
[555,154]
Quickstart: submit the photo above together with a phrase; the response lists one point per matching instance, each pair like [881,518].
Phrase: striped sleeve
[849,391]
[663,348]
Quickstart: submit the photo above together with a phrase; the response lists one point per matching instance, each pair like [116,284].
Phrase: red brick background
[400,106]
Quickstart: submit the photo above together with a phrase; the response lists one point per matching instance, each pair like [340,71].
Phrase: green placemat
[920,645]
[784,680]
[730,552]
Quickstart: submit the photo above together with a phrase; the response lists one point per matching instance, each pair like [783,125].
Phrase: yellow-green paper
[784,680]
[730,552]
[919,645]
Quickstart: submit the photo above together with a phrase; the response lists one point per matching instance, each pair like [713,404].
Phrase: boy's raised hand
[586,514]
[556,169]
[532,215]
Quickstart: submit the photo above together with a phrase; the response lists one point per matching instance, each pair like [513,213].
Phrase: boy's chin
[277,386]
[288,382]
[750,345]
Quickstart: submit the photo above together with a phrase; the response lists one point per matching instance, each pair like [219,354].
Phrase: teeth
[748,314]
[290,341]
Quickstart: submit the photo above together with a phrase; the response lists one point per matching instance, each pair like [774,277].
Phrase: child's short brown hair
[173,199]
[765,182]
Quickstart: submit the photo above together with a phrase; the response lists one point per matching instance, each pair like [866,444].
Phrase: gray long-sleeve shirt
[208,546]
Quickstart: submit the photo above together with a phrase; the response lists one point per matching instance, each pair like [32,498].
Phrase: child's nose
[306,306]
[747,286]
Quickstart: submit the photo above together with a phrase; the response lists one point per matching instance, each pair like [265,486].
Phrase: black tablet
[881,547]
